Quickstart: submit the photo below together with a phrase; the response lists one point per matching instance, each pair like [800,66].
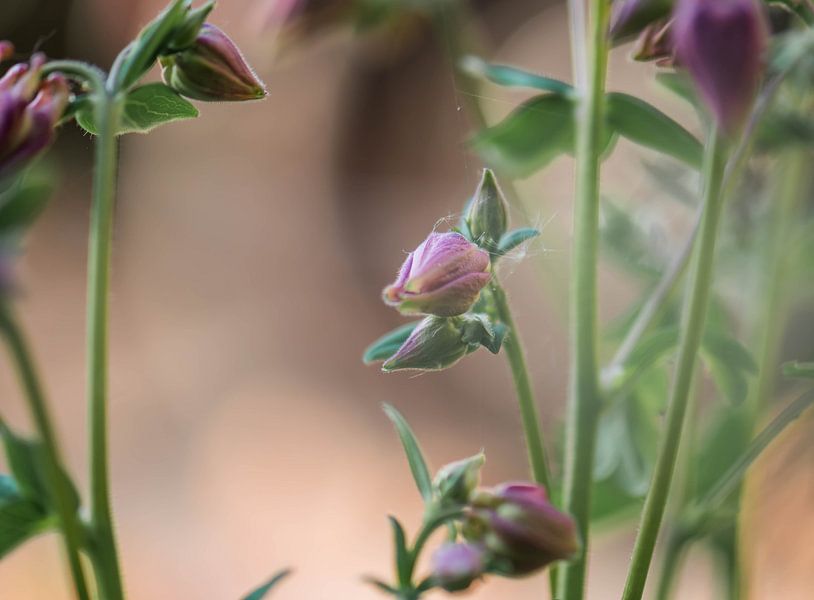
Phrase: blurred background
[250,250]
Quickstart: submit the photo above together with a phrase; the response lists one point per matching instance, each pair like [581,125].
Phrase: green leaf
[799,370]
[145,108]
[381,586]
[732,478]
[723,441]
[532,136]
[21,204]
[20,517]
[624,241]
[387,345]
[729,363]
[264,589]
[679,84]
[402,554]
[513,239]
[513,77]
[647,126]
[28,462]
[415,458]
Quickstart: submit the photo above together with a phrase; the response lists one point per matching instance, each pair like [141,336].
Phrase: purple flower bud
[629,17]
[722,43]
[29,112]
[443,277]
[212,69]
[456,566]
[435,344]
[520,528]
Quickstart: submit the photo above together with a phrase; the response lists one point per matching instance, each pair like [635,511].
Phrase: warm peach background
[250,249]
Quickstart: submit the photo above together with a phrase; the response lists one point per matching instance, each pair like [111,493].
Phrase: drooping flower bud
[29,111]
[456,481]
[435,344]
[722,43]
[442,277]
[487,215]
[456,566]
[630,17]
[522,531]
[212,69]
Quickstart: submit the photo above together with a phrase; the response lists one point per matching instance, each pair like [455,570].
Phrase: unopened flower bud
[29,111]
[212,69]
[630,17]
[435,344]
[722,45]
[487,214]
[522,531]
[442,277]
[456,566]
[456,481]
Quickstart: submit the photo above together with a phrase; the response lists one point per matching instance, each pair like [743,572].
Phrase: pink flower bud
[456,566]
[212,69]
[722,43]
[29,111]
[520,528]
[443,277]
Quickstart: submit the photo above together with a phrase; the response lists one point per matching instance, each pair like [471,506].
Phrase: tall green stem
[105,556]
[522,385]
[69,523]
[584,399]
[692,329]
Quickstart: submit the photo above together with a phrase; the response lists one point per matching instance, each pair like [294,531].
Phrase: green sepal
[264,589]
[478,330]
[516,237]
[187,32]
[145,108]
[387,345]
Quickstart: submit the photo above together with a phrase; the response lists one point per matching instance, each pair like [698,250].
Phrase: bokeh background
[250,250]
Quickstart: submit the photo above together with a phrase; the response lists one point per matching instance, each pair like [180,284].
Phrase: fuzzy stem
[584,398]
[69,523]
[530,417]
[692,329]
[108,110]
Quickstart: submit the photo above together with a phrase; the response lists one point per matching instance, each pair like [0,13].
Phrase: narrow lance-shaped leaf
[387,345]
[730,481]
[646,125]
[415,458]
[402,554]
[508,76]
[513,239]
[264,589]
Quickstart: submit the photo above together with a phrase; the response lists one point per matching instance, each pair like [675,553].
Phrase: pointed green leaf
[387,345]
[513,77]
[532,136]
[513,239]
[647,126]
[402,554]
[415,458]
[381,585]
[732,478]
[799,370]
[679,84]
[20,517]
[264,589]
[145,108]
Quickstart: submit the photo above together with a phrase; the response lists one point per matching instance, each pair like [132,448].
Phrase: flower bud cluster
[30,108]
[510,530]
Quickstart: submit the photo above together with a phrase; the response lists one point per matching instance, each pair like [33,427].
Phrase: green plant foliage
[415,458]
[401,552]
[145,108]
[513,239]
[20,518]
[799,370]
[23,202]
[507,76]
[387,345]
[533,135]
[264,589]
[647,126]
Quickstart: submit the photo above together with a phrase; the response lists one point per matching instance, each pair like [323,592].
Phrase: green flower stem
[69,523]
[108,111]
[692,329]
[528,409]
[584,397]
